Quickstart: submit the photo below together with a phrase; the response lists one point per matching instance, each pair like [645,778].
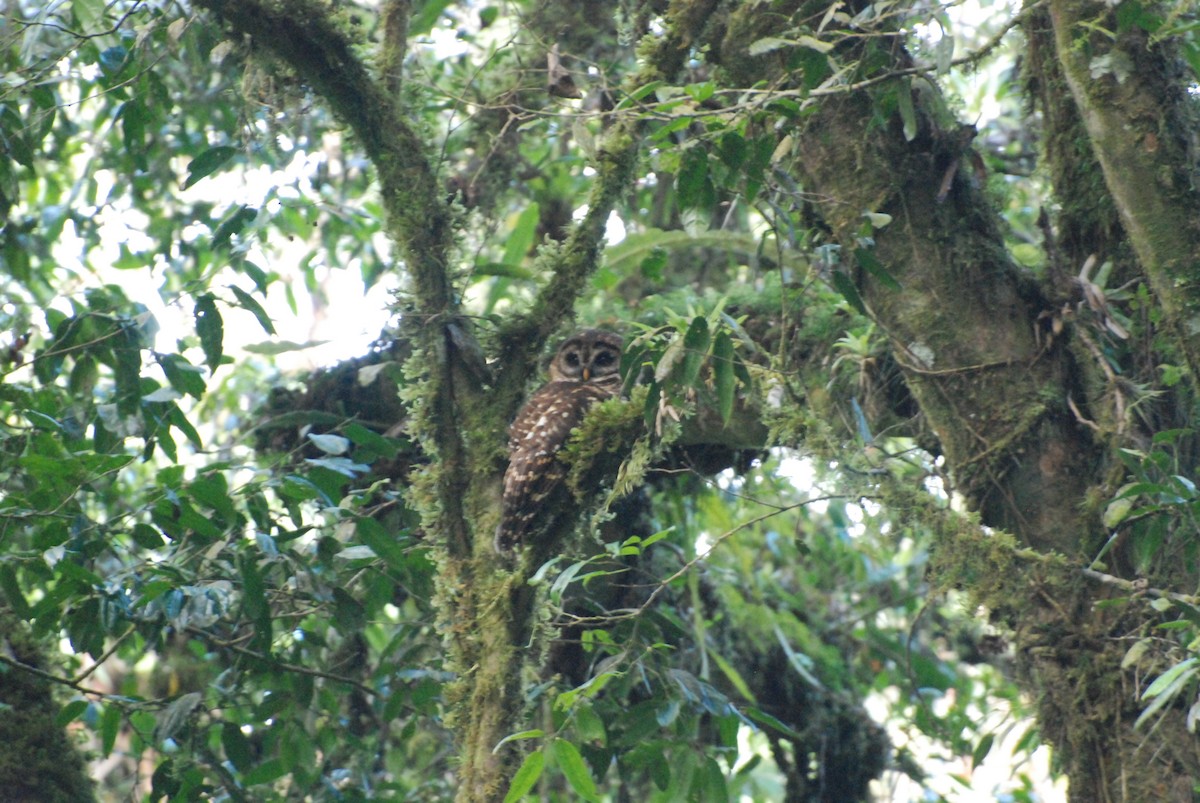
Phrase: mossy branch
[1132,118]
[616,159]
[395,44]
[305,34]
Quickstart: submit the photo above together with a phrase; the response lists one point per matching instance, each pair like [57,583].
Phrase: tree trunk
[1003,394]
[1131,99]
[38,764]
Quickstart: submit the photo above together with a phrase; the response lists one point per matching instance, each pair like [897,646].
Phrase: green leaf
[1163,681]
[1134,654]
[767,44]
[235,223]
[282,346]
[632,253]
[526,777]
[70,712]
[1166,687]
[370,441]
[844,285]
[574,768]
[175,716]
[693,180]
[112,60]
[247,302]
[382,543]
[641,93]
[330,443]
[266,772]
[502,270]
[12,136]
[982,749]
[134,117]
[650,408]
[867,260]
[1116,511]
[700,91]
[211,329]
[521,239]
[208,163]
[695,349]
[708,785]
[731,673]
[12,591]
[110,727]
[535,733]
[236,746]
[588,723]
[732,149]
[146,536]
[42,421]
[183,376]
[723,374]
[769,721]
[425,15]
[254,601]
[212,490]
[176,418]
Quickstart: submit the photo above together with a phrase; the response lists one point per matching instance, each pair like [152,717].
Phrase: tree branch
[615,163]
[1132,113]
[304,34]
[395,44]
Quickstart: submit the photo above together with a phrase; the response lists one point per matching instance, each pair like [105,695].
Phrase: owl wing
[535,438]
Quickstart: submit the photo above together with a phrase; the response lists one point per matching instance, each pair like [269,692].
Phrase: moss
[606,434]
[38,763]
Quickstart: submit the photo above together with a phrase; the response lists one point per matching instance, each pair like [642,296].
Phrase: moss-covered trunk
[997,389]
[38,762]
[1130,92]
[1004,387]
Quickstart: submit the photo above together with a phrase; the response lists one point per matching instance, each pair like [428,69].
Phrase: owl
[584,371]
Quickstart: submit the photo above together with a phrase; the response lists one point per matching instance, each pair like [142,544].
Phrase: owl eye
[604,358]
[572,359]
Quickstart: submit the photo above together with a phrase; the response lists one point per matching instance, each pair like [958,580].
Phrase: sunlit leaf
[330,443]
[526,777]
[519,736]
[982,749]
[568,759]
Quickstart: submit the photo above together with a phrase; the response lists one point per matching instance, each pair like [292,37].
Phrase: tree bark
[38,764]
[1005,394]
[1002,396]
[1130,95]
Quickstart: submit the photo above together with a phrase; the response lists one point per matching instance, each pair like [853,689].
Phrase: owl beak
[587,374]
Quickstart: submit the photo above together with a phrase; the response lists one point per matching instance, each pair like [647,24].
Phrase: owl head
[591,355]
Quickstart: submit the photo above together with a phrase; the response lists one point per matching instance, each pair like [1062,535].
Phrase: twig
[1140,587]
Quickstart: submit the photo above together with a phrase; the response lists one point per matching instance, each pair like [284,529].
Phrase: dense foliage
[815,559]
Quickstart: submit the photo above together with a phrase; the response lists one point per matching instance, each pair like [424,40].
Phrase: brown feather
[580,377]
